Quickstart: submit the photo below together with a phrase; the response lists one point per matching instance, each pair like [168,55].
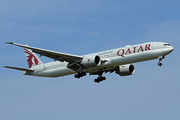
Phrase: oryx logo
[31,59]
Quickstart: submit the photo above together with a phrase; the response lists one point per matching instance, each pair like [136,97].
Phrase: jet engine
[125,70]
[92,61]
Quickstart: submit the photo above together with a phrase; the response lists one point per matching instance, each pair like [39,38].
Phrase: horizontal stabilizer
[21,69]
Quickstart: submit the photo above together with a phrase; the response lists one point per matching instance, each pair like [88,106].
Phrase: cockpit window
[167,45]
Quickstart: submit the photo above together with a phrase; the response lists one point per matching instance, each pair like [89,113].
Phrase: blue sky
[82,27]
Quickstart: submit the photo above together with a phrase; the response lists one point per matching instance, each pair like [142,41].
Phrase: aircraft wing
[52,54]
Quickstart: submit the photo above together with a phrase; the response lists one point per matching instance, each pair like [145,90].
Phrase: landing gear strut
[100,78]
[160,59]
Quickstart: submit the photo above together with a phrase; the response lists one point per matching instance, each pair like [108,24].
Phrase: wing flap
[51,54]
[21,69]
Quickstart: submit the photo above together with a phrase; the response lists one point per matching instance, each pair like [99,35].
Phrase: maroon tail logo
[31,59]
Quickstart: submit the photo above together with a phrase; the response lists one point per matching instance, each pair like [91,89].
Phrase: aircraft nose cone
[172,48]
[168,50]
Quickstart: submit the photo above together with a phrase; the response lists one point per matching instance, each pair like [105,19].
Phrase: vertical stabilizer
[31,57]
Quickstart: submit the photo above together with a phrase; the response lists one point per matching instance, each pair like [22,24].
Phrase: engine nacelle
[125,70]
[92,61]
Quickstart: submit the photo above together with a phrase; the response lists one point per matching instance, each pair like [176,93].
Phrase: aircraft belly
[57,72]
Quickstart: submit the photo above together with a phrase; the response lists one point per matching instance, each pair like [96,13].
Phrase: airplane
[116,60]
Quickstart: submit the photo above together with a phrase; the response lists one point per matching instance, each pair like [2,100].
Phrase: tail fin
[31,57]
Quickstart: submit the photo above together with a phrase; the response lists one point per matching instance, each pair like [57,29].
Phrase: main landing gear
[160,59]
[80,74]
[97,80]
[100,78]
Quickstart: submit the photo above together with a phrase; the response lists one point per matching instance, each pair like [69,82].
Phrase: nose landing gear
[160,59]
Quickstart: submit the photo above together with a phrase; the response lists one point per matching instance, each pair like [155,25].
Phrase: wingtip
[5,66]
[9,42]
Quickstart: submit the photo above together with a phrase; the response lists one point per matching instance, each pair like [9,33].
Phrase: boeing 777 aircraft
[117,60]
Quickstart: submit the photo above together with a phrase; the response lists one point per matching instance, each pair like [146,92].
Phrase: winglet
[9,42]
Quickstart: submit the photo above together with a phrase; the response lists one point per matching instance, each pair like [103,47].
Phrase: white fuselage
[110,59]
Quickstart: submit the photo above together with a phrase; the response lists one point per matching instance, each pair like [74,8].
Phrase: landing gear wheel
[99,79]
[103,78]
[159,64]
[96,80]
[83,73]
[78,75]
